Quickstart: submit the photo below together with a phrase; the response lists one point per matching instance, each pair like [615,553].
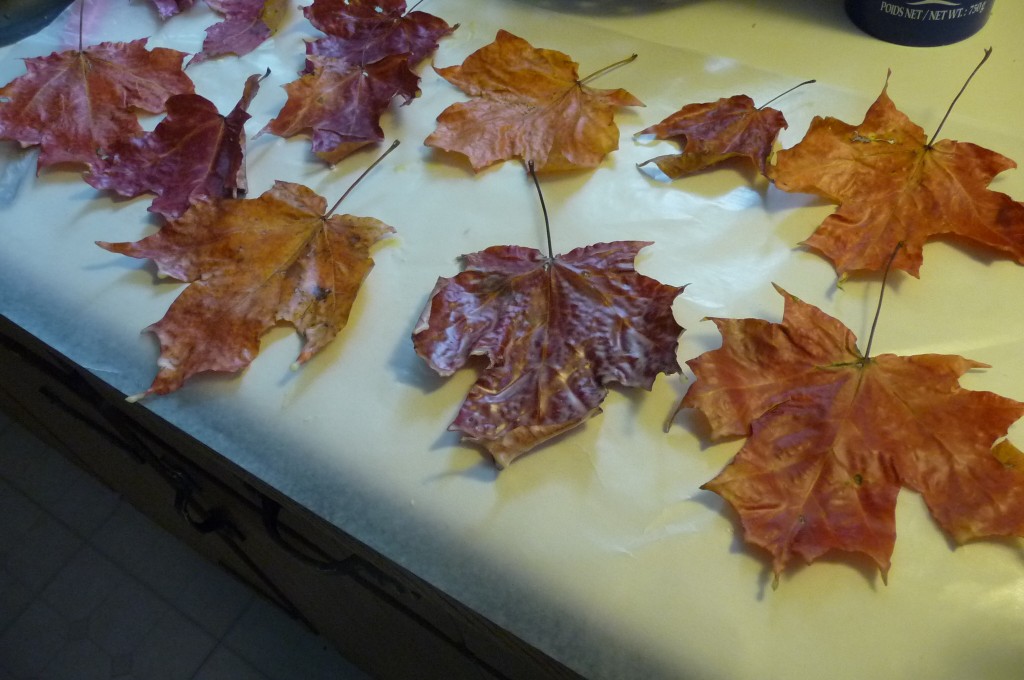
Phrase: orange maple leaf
[893,186]
[712,132]
[556,332]
[528,103]
[76,104]
[833,435]
[253,263]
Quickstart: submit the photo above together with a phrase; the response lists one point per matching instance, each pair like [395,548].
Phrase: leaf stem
[881,294]
[81,24]
[413,8]
[544,209]
[783,94]
[988,52]
[360,178]
[600,72]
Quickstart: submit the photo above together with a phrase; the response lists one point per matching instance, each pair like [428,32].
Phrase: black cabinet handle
[215,520]
[271,511]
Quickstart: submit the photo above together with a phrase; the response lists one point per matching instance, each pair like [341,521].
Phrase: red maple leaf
[365,31]
[76,104]
[528,103]
[193,153]
[713,132]
[254,263]
[555,332]
[168,8]
[893,186]
[246,25]
[342,103]
[833,435]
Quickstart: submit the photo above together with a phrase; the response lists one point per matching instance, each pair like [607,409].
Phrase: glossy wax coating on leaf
[833,436]
[365,31]
[892,187]
[527,103]
[252,264]
[76,104]
[342,104]
[555,333]
[194,153]
[247,24]
[712,132]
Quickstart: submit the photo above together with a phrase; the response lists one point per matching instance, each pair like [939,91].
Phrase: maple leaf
[193,153]
[528,103]
[342,103]
[77,103]
[168,8]
[365,31]
[893,186]
[712,132]
[555,332]
[246,25]
[833,435]
[253,263]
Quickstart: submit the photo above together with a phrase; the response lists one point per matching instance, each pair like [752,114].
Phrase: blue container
[921,23]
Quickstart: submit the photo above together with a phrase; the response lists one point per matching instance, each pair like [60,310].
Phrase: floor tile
[172,650]
[193,585]
[35,546]
[72,495]
[85,583]
[224,664]
[15,597]
[91,588]
[78,660]
[19,513]
[32,641]
[126,618]
[283,649]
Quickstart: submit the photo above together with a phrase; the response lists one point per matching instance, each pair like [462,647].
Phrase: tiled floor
[91,589]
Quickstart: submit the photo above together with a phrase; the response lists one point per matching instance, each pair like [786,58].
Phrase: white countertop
[598,548]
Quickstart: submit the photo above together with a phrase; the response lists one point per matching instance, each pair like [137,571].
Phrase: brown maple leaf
[833,435]
[528,103]
[76,104]
[555,332]
[893,186]
[342,103]
[193,153]
[253,263]
[246,25]
[365,31]
[712,132]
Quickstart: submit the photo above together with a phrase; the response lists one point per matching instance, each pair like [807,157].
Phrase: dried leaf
[168,8]
[834,435]
[193,153]
[246,25]
[365,31]
[342,104]
[528,103]
[892,187]
[76,104]
[555,333]
[252,264]
[712,132]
